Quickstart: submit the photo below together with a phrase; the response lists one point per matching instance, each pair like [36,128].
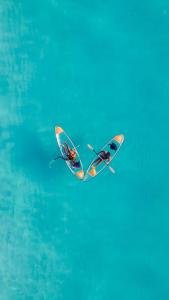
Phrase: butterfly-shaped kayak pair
[99,163]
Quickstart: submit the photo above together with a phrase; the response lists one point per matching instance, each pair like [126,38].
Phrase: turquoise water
[97,68]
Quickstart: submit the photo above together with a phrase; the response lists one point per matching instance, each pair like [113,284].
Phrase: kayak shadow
[32,156]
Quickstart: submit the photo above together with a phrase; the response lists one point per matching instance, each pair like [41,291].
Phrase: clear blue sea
[96,68]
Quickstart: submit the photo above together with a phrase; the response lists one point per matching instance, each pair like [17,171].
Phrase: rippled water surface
[97,68]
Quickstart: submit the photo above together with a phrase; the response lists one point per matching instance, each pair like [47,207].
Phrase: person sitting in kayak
[103,156]
[70,153]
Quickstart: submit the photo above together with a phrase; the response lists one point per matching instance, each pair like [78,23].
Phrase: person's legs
[66,149]
[97,161]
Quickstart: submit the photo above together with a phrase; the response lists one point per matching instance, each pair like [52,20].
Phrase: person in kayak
[70,155]
[103,156]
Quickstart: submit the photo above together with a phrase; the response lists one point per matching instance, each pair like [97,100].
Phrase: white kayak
[113,146]
[63,139]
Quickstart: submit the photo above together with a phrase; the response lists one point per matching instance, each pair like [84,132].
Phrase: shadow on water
[32,156]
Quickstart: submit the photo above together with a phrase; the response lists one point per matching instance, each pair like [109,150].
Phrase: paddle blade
[112,170]
[51,163]
[89,146]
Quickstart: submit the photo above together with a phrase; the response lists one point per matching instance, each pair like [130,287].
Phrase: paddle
[60,156]
[110,168]
[76,147]
[54,159]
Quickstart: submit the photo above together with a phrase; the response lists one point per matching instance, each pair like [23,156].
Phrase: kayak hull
[113,146]
[62,138]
